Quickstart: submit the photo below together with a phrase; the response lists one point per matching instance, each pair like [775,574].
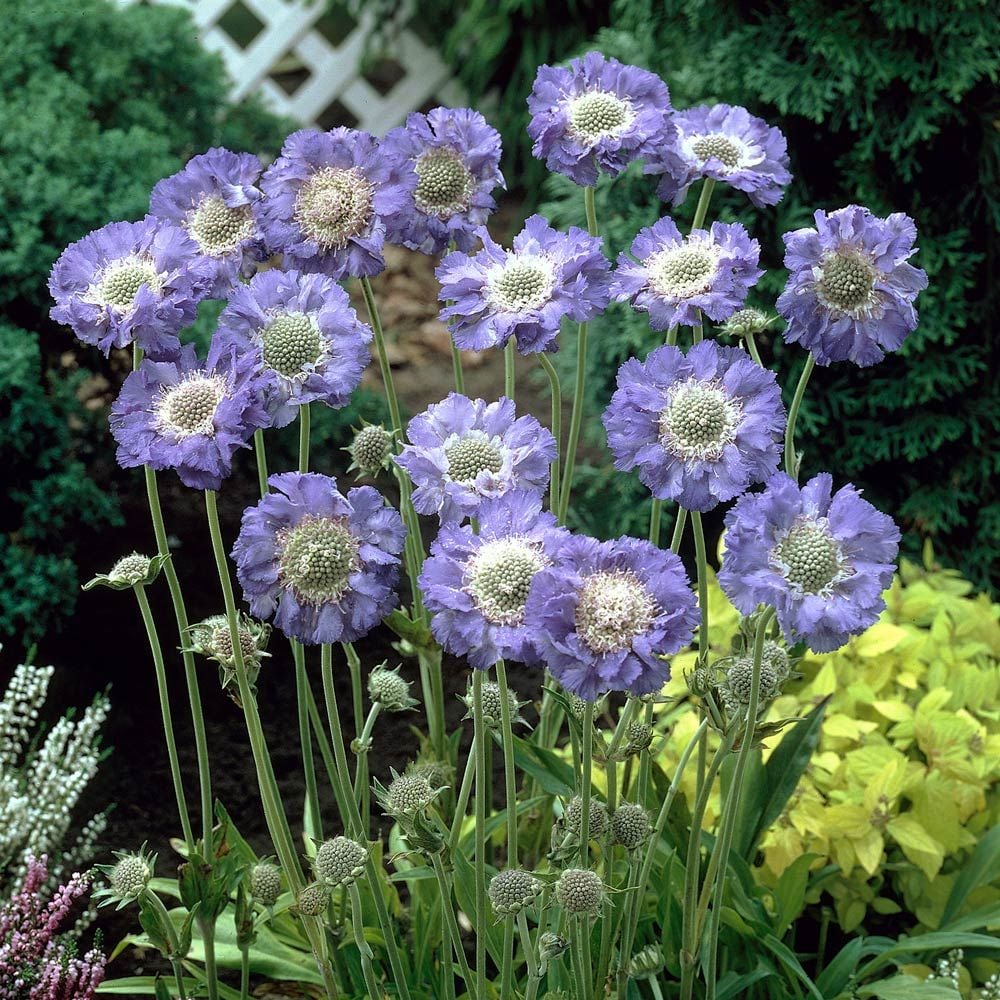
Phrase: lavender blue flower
[476,585]
[850,293]
[700,428]
[463,451]
[131,281]
[675,276]
[597,115]
[526,291]
[604,615]
[306,340]
[727,144]
[327,197]
[822,562]
[213,199]
[191,418]
[324,565]
[456,156]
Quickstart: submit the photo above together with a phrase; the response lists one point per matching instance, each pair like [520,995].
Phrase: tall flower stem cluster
[556,881]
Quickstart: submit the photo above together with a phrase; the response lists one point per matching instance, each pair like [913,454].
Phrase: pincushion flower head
[327,197]
[596,115]
[463,451]
[675,276]
[604,615]
[727,144]
[456,156]
[524,292]
[131,282]
[306,340]
[476,584]
[188,417]
[850,293]
[213,200]
[821,561]
[700,427]
[324,565]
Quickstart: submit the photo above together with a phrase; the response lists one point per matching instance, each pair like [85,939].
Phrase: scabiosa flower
[306,340]
[605,613]
[526,291]
[464,451]
[700,427]
[476,585]
[727,144]
[675,276]
[131,281]
[821,562]
[596,115]
[327,197]
[213,200]
[456,156]
[188,417]
[850,293]
[324,565]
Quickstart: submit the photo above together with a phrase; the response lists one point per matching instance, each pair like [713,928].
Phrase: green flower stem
[479,730]
[274,812]
[510,782]
[168,724]
[730,813]
[312,820]
[792,460]
[655,516]
[580,957]
[176,963]
[507,966]
[555,391]
[701,209]
[454,934]
[261,456]
[675,540]
[528,947]
[701,558]
[375,992]
[305,426]
[698,330]
[245,972]
[586,783]
[352,818]
[508,369]
[463,798]
[642,782]
[363,745]
[576,418]
[326,752]
[752,348]
[456,367]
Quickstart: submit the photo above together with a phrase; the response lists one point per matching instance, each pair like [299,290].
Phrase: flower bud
[739,678]
[265,883]
[638,738]
[552,946]
[370,450]
[747,322]
[573,817]
[580,891]
[492,705]
[630,826]
[340,861]
[390,689]
[313,900]
[646,964]
[130,876]
[512,890]
[133,570]
[408,794]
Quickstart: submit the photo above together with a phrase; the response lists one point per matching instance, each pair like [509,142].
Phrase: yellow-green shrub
[904,779]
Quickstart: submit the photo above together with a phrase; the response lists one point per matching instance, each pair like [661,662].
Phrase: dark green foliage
[887,104]
[98,103]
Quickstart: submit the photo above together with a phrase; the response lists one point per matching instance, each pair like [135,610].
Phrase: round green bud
[265,883]
[371,448]
[630,826]
[740,677]
[573,817]
[580,891]
[390,689]
[340,861]
[130,876]
[131,569]
[313,900]
[409,793]
[512,890]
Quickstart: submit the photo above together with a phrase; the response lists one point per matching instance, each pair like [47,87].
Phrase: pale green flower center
[219,229]
[444,183]
[317,557]
[614,607]
[290,343]
[846,281]
[523,284]
[372,445]
[682,271]
[471,454]
[131,568]
[699,420]
[122,280]
[809,558]
[189,407]
[500,575]
[597,114]
[718,146]
[334,205]
[130,876]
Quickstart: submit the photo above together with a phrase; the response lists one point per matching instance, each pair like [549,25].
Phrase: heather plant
[595,877]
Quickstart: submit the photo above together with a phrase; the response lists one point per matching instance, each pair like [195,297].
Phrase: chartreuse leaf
[911,988]
[935,941]
[146,986]
[982,868]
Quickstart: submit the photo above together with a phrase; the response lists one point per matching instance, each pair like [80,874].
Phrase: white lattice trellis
[321,84]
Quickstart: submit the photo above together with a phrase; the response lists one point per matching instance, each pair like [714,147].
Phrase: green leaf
[911,988]
[790,892]
[734,985]
[465,893]
[982,868]
[553,774]
[146,986]
[834,978]
[935,941]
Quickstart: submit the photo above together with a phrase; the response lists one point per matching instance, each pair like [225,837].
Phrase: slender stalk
[508,369]
[479,730]
[305,425]
[448,907]
[245,972]
[675,540]
[702,562]
[456,367]
[527,946]
[463,797]
[261,455]
[752,348]
[510,782]
[701,209]
[168,928]
[168,724]
[792,460]
[363,744]
[586,783]
[312,820]
[507,965]
[375,992]
[555,391]
[591,210]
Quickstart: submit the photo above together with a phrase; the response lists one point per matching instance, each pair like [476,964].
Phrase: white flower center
[614,607]
[219,229]
[719,146]
[810,558]
[699,420]
[444,183]
[524,283]
[317,557]
[131,568]
[291,343]
[470,454]
[499,576]
[121,280]
[189,407]
[597,114]
[334,205]
[679,272]
[845,281]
